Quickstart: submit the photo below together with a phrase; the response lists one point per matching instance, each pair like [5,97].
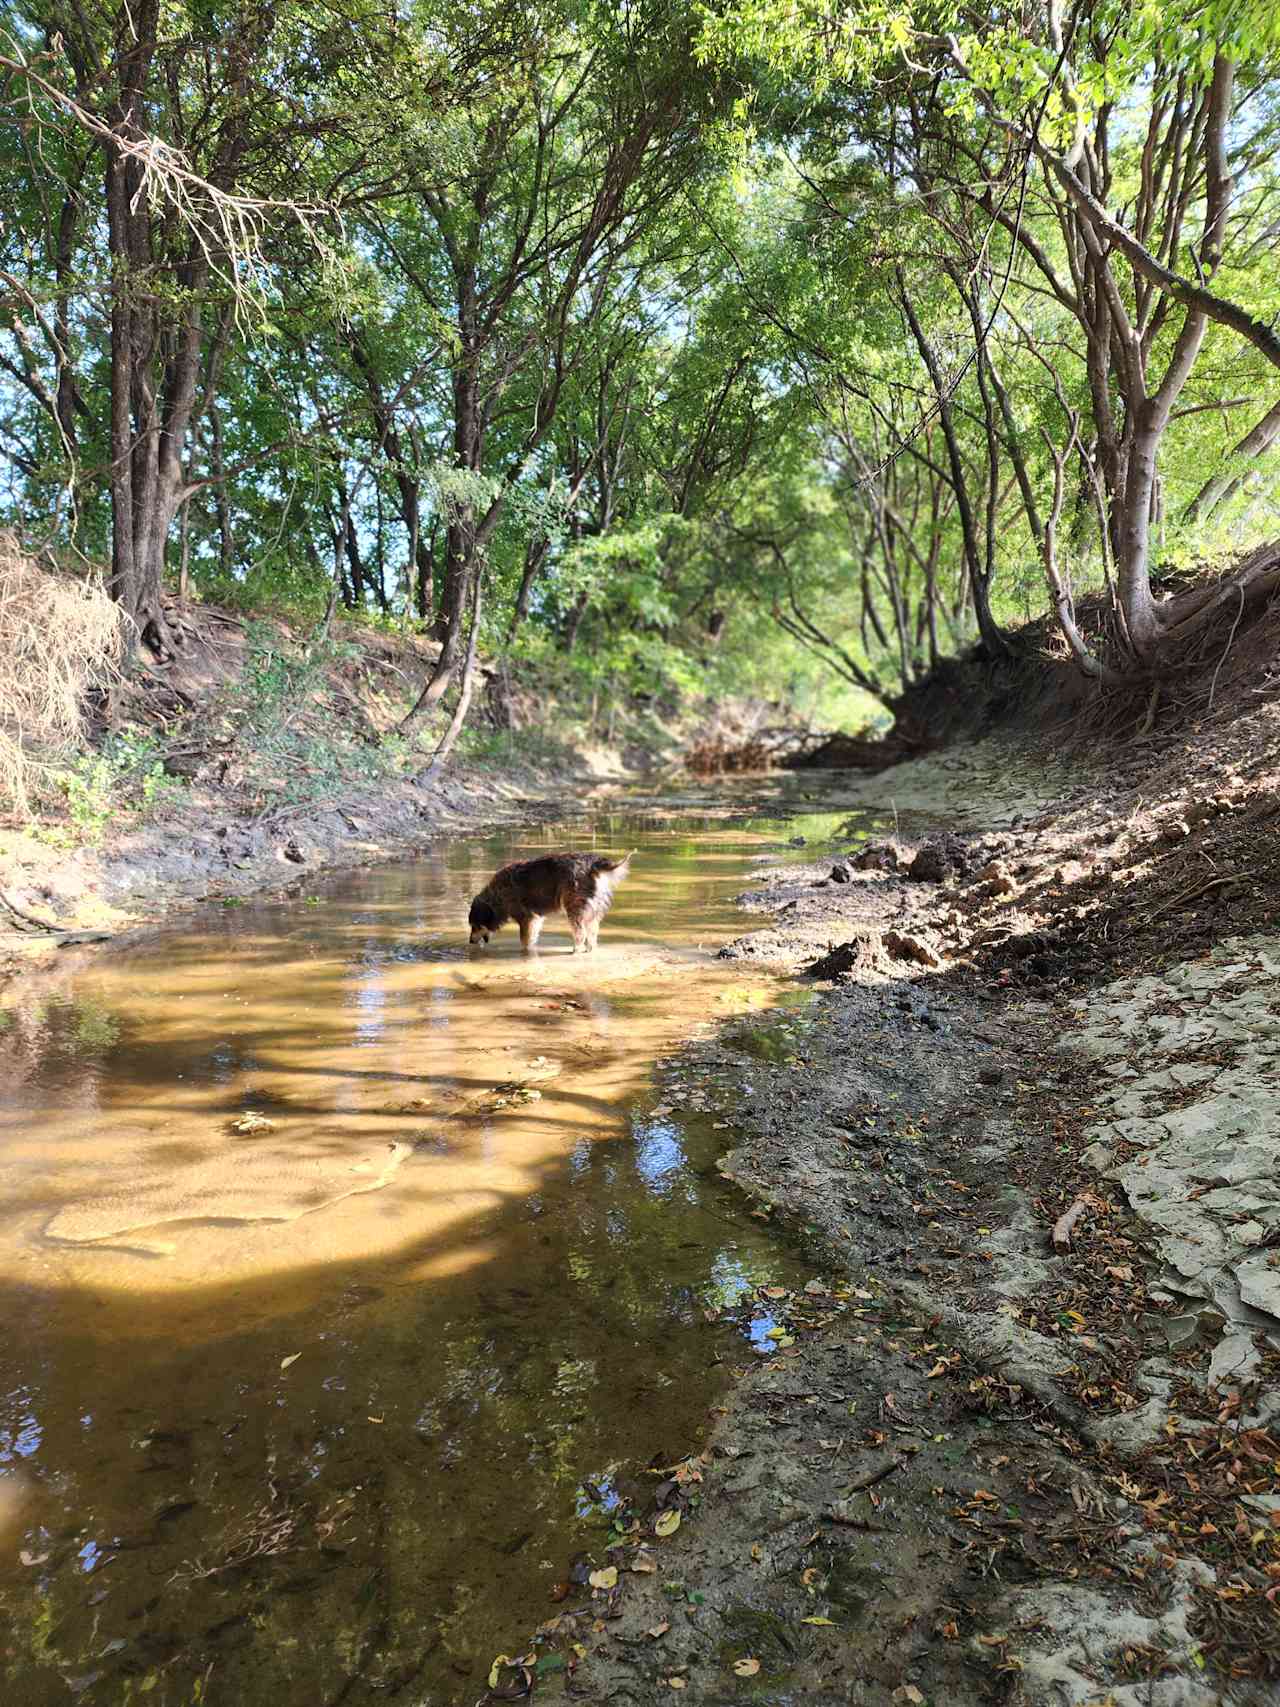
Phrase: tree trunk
[463,705]
[979,583]
[575,622]
[535,555]
[424,558]
[1224,485]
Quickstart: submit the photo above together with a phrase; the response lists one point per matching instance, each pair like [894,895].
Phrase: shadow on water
[352,1278]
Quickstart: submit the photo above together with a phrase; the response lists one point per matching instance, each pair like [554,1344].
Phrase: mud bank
[985,1463]
[208,851]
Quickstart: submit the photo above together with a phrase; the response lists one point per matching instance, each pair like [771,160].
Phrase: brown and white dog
[580,885]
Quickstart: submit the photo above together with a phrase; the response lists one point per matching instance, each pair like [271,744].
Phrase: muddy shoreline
[987,1468]
[206,852]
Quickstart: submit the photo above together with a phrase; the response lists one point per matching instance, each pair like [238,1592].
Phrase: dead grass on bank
[59,637]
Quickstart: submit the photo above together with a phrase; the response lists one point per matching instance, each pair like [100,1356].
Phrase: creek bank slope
[260,757]
[1084,1504]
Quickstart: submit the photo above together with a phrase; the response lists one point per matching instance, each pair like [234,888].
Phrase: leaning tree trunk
[463,705]
[979,579]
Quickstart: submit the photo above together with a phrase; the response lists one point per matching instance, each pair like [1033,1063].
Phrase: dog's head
[483,920]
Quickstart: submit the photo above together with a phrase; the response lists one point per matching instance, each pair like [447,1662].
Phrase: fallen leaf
[667,1524]
[605,1578]
[659,1630]
[757,1552]
[676,1683]
[643,1563]
[828,1621]
[293,1358]
[909,1692]
[495,1670]
[251,1122]
[747,1668]
[30,1559]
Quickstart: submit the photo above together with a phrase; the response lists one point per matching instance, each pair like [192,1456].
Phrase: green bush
[126,775]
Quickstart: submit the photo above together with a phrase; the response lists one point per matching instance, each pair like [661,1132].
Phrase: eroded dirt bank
[982,1465]
[261,757]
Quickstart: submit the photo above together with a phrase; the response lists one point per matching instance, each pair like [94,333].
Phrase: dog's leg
[593,934]
[530,932]
[580,925]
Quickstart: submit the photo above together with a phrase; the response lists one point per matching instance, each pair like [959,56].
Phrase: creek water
[351,1277]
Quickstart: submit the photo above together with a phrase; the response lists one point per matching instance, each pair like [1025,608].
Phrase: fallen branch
[18,912]
[1063,1225]
[874,1476]
[861,1523]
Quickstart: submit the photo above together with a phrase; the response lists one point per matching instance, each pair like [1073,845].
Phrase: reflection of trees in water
[327,1551]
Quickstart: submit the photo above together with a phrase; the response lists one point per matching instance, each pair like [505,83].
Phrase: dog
[579,884]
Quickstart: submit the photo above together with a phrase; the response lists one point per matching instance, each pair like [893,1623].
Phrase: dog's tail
[610,872]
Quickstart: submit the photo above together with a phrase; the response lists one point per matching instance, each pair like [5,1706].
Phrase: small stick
[874,1476]
[1063,1225]
[21,913]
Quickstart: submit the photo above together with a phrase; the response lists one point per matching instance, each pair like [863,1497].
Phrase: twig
[21,913]
[1201,889]
[1213,685]
[1063,1225]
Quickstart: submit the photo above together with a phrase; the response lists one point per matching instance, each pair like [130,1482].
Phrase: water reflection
[349,1276]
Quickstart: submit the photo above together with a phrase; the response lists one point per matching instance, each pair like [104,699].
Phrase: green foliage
[617,311]
[280,672]
[125,777]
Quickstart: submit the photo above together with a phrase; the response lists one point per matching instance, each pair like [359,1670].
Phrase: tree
[1045,127]
[205,176]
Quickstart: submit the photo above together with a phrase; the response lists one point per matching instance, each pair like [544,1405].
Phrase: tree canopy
[710,344]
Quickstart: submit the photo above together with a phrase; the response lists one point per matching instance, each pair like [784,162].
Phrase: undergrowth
[60,636]
[125,774]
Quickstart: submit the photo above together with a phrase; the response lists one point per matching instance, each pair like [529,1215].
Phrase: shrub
[60,635]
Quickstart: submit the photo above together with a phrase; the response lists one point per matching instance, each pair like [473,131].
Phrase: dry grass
[59,636]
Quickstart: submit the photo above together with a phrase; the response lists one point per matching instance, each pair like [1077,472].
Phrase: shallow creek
[351,1276]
